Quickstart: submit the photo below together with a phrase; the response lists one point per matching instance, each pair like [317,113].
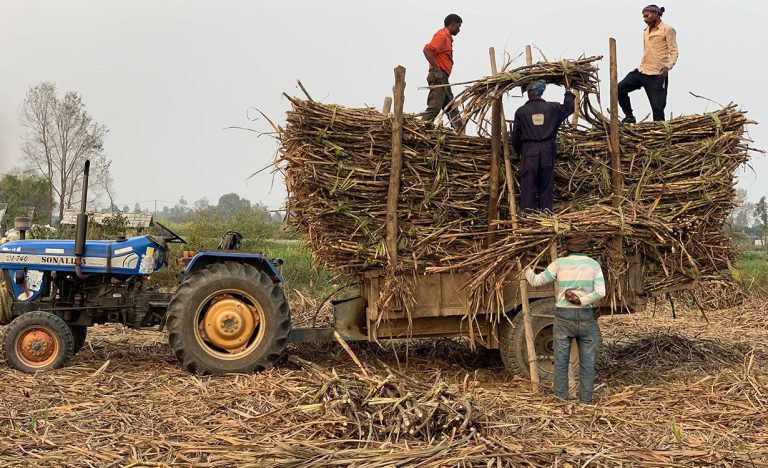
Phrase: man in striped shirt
[580,283]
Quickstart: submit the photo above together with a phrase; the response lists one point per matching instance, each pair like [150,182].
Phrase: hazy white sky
[166,77]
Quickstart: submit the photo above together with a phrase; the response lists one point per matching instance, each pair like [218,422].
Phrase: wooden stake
[387,105]
[616,177]
[533,359]
[393,194]
[615,148]
[533,363]
[510,181]
[496,137]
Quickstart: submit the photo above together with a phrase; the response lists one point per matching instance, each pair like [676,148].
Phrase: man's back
[577,272]
[539,120]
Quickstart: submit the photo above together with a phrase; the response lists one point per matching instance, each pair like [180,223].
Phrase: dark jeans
[439,98]
[537,175]
[578,324]
[655,87]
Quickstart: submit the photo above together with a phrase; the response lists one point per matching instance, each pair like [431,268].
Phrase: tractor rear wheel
[228,318]
[513,346]
[38,341]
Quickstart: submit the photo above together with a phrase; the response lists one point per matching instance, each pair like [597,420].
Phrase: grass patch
[754,268]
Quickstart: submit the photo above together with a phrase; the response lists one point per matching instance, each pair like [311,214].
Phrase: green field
[754,268]
[297,269]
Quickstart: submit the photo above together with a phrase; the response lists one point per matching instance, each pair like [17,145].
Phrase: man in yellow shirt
[659,56]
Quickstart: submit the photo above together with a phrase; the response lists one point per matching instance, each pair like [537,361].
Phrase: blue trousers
[579,325]
[537,176]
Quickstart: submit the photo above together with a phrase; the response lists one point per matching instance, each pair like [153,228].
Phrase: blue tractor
[228,314]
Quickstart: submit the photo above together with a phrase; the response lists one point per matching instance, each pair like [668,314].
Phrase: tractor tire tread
[512,343]
[55,323]
[180,310]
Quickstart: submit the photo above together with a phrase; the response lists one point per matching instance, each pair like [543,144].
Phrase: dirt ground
[670,393]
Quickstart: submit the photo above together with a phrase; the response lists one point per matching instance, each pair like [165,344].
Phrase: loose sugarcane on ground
[669,393]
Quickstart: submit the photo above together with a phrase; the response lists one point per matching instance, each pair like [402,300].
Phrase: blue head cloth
[537,87]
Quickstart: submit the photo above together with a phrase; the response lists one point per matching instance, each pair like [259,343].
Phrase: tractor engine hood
[136,256]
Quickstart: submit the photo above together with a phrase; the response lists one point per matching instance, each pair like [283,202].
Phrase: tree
[202,203]
[761,213]
[22,192]
[126,209]
[230,204]
[740,220]
[60,135]
[136,208]
[177,213]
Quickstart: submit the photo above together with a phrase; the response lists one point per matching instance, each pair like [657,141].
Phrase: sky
[168,77]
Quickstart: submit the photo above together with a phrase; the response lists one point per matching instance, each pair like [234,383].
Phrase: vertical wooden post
[387,105]
[617,180]
[574,359]
[533,359]
[393,193]
[616,177]
[533,364]
[493,180]
[574,356]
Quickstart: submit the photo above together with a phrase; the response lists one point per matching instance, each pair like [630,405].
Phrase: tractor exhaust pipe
[81,228]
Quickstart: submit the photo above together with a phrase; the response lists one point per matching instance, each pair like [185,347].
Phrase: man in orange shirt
[439,54]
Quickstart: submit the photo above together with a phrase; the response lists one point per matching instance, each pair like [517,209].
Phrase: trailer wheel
[513,347]
[228,318]
[38,341]
[79,332]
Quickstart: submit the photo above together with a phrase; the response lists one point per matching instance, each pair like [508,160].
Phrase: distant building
[137,221]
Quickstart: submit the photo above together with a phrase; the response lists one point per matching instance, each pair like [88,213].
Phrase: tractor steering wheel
[173,238]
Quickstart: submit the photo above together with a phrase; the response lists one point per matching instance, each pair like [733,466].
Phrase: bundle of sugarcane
[496,266]
[579,75]
[678,181]
[387,408]
[337,168]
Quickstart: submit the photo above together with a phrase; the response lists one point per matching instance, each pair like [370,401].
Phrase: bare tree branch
[60,136]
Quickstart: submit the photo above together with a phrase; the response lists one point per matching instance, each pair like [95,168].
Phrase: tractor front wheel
[38,341]
[228,318]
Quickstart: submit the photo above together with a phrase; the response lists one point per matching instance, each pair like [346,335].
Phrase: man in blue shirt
[534,134]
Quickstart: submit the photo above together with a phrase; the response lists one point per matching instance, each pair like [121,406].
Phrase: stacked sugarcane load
[678,189]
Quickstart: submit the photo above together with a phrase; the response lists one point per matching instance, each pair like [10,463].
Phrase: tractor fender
[203,259]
